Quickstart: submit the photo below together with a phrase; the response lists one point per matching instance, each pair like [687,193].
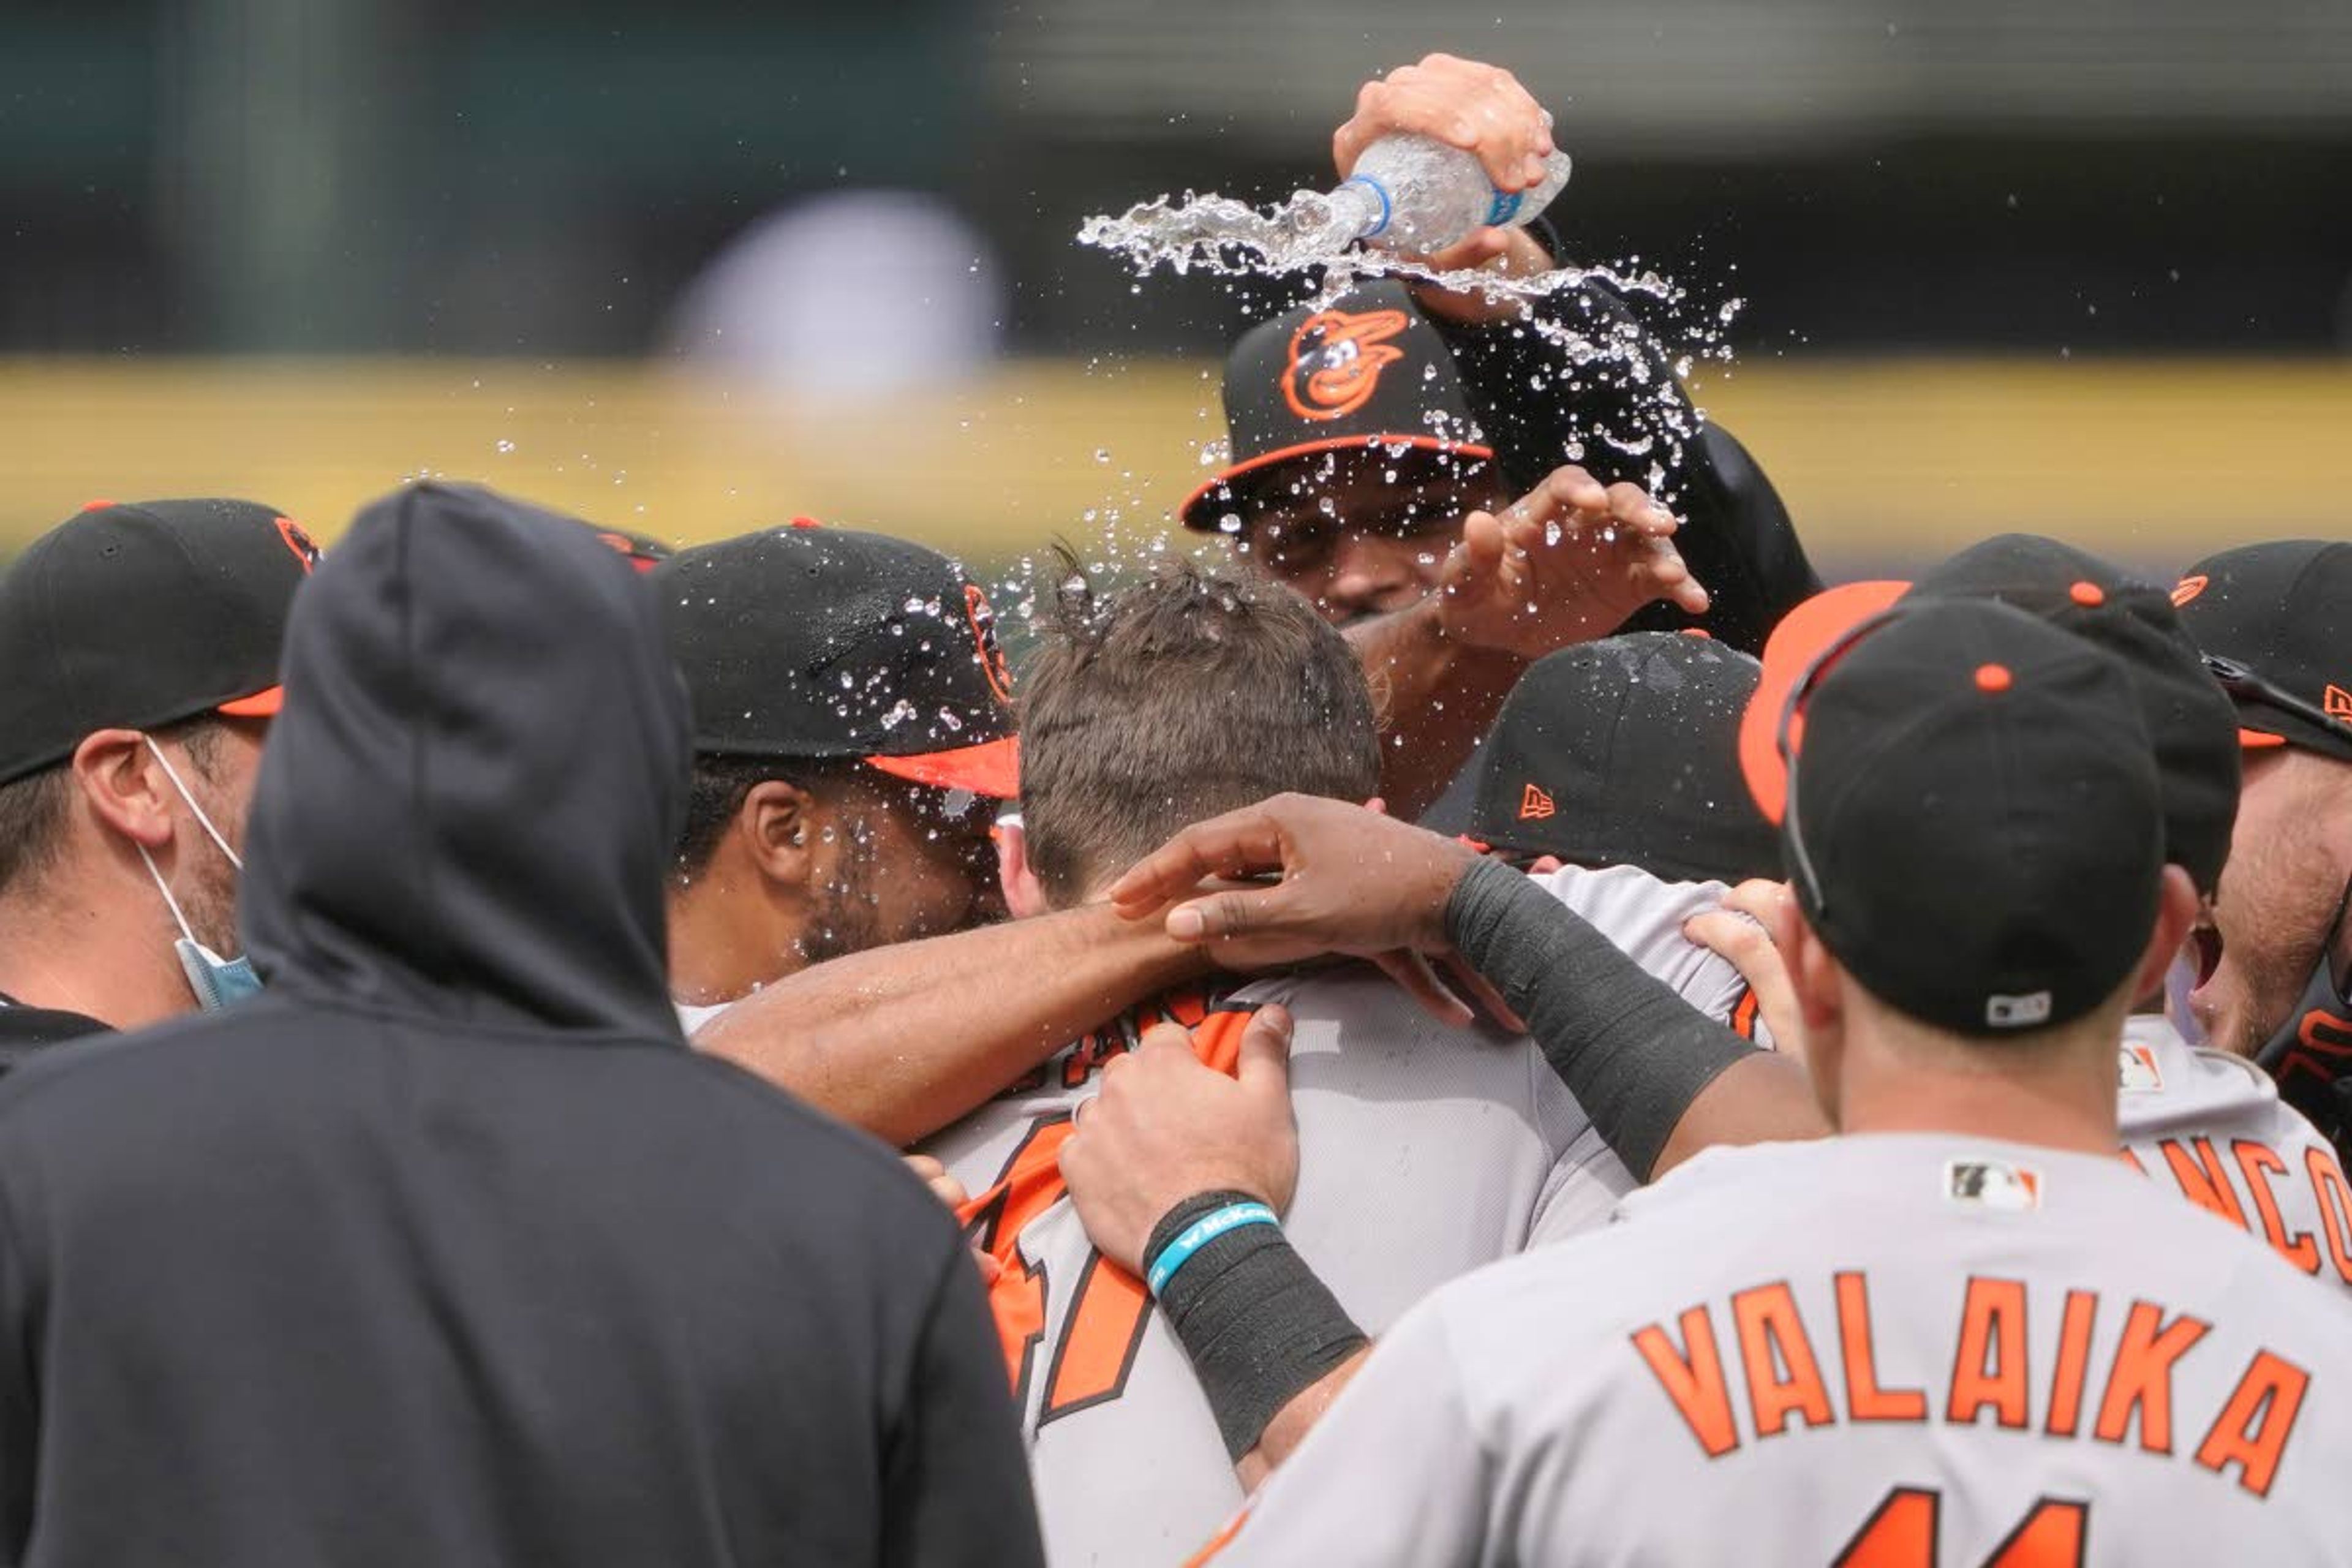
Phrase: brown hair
[1189,694]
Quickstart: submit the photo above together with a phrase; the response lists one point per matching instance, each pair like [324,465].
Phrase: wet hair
[33,812]
[1186,695]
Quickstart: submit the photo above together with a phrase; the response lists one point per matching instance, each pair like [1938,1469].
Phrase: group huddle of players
[1500,1022]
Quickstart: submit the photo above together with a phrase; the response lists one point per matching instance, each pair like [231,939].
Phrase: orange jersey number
[1902,1534]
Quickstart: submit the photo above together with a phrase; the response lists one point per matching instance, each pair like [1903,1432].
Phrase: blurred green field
[1883,462]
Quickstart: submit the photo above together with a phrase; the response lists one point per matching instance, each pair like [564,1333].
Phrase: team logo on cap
[984,633]
[299,542]
[1336,360]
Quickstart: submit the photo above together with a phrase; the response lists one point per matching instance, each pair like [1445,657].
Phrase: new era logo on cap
[1533,804]
[2336,703]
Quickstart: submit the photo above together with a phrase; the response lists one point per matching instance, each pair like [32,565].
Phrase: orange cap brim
[1803,635]
[260,705]
[2255,740]
[992,768]
[1186,513]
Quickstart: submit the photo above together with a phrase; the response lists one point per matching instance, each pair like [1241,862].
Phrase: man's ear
[2175,911]
[778,826]
[1812,970]
[1025,897]
[124,787]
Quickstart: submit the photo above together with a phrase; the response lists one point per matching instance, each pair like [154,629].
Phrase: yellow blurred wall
[2154,461]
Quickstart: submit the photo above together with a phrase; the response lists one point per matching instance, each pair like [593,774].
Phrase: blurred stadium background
[2083,268]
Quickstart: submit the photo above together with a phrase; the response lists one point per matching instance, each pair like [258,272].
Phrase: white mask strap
[206,822]
[169,901]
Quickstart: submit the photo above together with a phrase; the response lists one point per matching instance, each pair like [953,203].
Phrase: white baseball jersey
[1891,1350]
[2213,1127]
[1424,1151]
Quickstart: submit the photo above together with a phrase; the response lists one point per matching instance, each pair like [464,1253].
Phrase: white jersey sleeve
[2212,1127]
[1894,1350]
[1643,918]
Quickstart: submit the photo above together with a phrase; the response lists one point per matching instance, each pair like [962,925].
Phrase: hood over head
[467,804]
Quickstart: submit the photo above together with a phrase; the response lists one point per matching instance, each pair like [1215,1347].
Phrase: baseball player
[2208,1124]
[1964,1332]
[2275,623]
[1430,1153]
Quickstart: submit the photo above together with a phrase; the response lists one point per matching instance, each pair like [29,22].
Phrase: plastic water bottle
[1415,195]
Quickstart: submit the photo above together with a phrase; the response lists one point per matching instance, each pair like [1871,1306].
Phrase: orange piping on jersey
[2253,1159]
[1743,1020]
[2074,1364]
[1864,1399]
[1692,1378]
[1988,1368]
[1219,1541]
[2253,1428]
[2141,1378]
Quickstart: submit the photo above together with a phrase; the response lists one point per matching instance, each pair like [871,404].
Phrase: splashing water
[1641,362]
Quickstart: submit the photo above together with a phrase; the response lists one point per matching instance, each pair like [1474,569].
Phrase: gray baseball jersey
[1891,1350]
[2212,1126]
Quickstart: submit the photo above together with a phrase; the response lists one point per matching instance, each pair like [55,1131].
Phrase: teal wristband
[1199,1233]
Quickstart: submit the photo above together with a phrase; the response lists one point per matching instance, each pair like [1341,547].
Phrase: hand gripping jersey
[1424,1152]
[1871,1351]
[2212,1126]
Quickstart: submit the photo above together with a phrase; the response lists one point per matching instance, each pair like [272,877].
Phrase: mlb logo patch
[2135,1070]
[1993,1184]
[2017,1012]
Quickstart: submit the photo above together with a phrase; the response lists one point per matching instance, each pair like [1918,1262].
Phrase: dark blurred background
[517,182]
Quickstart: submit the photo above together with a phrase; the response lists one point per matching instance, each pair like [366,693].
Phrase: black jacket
[446,1250]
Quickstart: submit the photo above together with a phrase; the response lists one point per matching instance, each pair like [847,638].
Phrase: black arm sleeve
[1539,410]
[956,1489]
[1634,1054]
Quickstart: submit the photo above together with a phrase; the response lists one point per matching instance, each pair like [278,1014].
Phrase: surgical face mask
[215,982]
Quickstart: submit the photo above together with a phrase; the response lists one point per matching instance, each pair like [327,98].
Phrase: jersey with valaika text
[1895,1351]
[1423,1152]
[2213,1127]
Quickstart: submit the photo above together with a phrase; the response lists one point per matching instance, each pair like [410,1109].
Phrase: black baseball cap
[821,643]
[2274,621]
[1624,752]
[1363,379]
[1974,825]
[2189,719]
[139,615]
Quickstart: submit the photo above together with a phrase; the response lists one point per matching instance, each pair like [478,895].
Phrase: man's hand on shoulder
[1166,1126]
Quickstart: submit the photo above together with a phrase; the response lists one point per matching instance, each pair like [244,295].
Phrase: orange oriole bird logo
[1336,360]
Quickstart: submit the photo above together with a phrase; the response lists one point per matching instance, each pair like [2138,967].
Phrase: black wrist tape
[1259,1326]
[1633,1052]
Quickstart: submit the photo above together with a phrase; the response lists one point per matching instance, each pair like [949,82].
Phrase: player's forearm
[1761,1098]
[1436,698]
[1294,1421]
[903,1040]
[1635,1054]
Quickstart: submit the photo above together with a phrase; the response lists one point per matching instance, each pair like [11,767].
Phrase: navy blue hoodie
[445,1249]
